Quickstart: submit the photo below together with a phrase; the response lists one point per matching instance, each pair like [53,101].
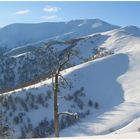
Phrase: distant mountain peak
[134,30]
[20,34]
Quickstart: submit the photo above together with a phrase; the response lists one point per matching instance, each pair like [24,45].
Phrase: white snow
[131,135]
[113,81]
[125,114]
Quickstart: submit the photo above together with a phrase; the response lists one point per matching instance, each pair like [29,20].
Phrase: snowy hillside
[103,89]
[16,35]
[22,68]
[19,66]
[30,101]
[125,116]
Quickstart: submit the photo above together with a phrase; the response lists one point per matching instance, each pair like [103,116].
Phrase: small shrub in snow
[22,103]
[68,97]
[27,131]
[96,105]
[62,122]
[67,120]
[31,104]
[78,93]
[40,99]
[28,120]
[72,106]
[16,120]
[90,103]
[82,115]
[12,103]
[23,133]
[43,129]
[87,112]
[80,103]
[10,114]
[35,106]
[5,130]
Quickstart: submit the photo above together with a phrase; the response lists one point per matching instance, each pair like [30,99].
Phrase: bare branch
[63,63]
[52,81]
[64,79]
[75,115]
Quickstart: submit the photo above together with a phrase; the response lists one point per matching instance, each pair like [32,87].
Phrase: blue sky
[119,13]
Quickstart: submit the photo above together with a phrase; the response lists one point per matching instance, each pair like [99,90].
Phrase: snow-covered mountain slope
[104,91]
[125,115]
[104,81]
[130,135]
[30,101]
[24,67]
[25,64]
[16,35]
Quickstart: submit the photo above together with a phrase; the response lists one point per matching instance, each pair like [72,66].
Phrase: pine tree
[4,128]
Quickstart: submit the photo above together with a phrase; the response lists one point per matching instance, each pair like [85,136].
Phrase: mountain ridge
[104,85]
[29,33]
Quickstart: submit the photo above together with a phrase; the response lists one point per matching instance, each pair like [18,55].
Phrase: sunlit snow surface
[113,81]
[124,117]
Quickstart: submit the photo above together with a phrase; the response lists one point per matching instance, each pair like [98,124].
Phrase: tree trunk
[56,116]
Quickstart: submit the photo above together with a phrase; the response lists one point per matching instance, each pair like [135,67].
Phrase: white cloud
[50,9]
[22,12]
[49,17]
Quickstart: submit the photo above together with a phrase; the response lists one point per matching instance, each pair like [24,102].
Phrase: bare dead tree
[60,64]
